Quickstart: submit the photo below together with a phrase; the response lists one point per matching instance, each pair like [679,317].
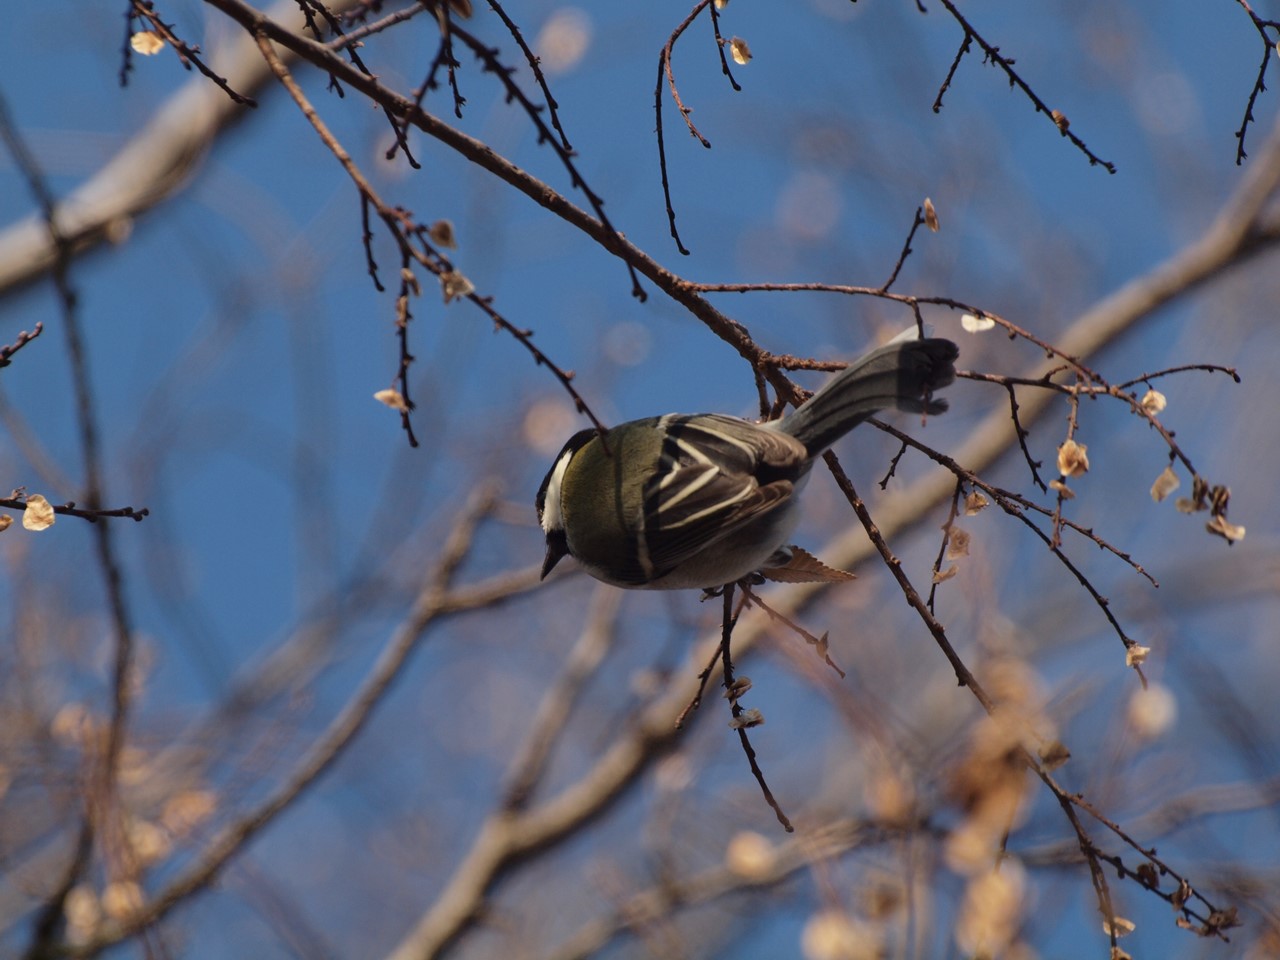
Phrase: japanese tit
[703,500]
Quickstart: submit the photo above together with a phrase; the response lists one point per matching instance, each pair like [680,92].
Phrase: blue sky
[236,341]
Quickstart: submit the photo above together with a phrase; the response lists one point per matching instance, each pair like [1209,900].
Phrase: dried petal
[958,545]
[1218,526]
[393,399]
[1054,754]
[38,514]
[1181,895]
[1073,458]
[803,567]
[5,521]
[146,42]
[1153,401]
[992,910]
[1165,484]
[1136,655]
[185,811]
[455,286]
[1118,926]
[147,841]
[1152,711]
[942,576]
[738,688]
[121,899]
[750,855]
[748,718]
[441,233]
[1062,488]
[930,215]
[741,52]
[82,910]
[973,323]
[889,797]
[834,935]
[974,503]
[1060,120]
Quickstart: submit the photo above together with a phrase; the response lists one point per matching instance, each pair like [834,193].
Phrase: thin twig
[1005,64]
[1259,82]
[8,350]
[916,224]
[18,501]
[188,55]
[539,77]
[740,722]
[666,71]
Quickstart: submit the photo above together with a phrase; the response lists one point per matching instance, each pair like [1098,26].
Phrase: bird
[700,501]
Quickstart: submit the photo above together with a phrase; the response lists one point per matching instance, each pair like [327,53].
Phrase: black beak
[557,548]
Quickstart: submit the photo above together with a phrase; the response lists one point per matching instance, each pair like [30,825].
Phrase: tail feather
[901,375]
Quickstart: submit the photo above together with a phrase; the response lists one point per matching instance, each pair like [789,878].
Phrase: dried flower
[1153,401]
[1073,458]
[1136,655]
[750,855]
[1165,484]
[1066,492]
[1218,526]
[1152,711]
[393,399]
[930,215]
[972,323]
[1118,926]
[38,514]
[146,42]
[834,935]
[441,233]
[455,286]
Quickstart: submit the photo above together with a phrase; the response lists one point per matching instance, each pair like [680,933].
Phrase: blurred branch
[671,895]
[436,599]
[1247,226]
[100,801]
[1240,231]
[530,762]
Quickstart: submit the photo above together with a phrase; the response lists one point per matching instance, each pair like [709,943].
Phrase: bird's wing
[715,474]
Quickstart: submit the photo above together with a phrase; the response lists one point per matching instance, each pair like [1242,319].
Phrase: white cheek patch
[552,515]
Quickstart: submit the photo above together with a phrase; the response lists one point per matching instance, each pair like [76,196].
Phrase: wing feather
[715,475]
